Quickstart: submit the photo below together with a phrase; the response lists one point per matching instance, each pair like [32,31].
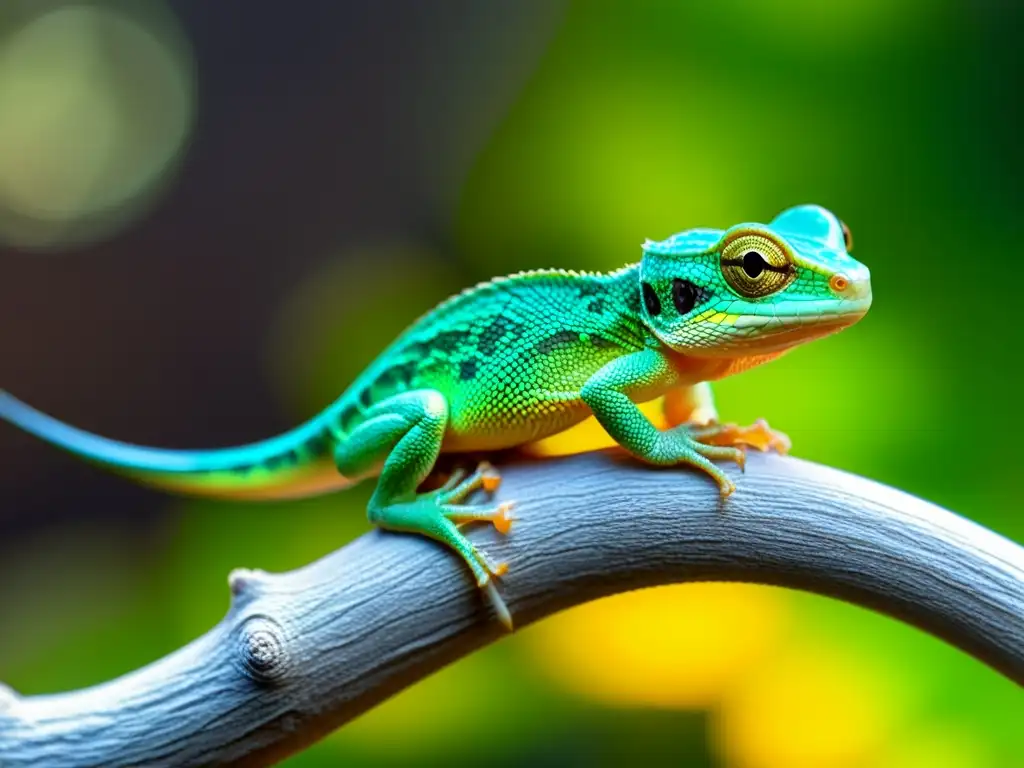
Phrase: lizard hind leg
[408,430]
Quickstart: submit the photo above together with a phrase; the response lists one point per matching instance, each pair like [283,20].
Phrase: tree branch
[298,654]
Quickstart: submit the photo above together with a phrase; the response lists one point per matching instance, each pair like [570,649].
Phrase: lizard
[516,359]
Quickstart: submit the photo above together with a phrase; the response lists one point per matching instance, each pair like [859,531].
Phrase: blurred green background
[212,215]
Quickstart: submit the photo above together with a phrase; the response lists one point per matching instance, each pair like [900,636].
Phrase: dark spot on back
[366,397]
[315,445]
[449,341]
[597,306]
[418,349]
[389,379]
[348,417]
[590,289]
[468,369]
[556,340]
[384,381]
[404,372]
[499,329]
[282,459]
[600,342]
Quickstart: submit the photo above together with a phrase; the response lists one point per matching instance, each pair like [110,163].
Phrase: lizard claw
[498,604]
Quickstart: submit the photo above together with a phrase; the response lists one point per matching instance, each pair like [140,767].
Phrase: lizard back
[509,355]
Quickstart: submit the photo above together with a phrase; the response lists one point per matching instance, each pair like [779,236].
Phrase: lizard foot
[484,569]
[718,452]
[459,486]
[451,495]
[681,446]
[758,435]
[438,514]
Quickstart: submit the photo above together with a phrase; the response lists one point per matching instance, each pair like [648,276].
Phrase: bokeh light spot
[675,647]
[813,706]
[96,106]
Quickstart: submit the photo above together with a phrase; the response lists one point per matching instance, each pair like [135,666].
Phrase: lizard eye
[756,266]
[847,236]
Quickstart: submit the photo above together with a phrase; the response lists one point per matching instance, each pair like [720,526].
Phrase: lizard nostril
[839,283]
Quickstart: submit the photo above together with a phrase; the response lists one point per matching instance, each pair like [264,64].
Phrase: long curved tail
[297,463]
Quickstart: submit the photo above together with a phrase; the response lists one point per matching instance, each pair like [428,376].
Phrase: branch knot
[261,648]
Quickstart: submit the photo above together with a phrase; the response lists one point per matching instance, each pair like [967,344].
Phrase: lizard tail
[292,465]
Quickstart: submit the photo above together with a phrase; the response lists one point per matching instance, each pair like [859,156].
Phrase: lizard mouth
[789,333]
[782,330]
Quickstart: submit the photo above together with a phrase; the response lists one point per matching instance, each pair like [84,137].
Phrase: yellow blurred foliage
[674,647]
[812,706]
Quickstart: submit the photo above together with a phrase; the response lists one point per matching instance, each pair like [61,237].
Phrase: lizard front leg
[695,405]
[606,393]
[408,429]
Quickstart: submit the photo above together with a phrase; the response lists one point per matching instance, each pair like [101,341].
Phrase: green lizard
[517,359]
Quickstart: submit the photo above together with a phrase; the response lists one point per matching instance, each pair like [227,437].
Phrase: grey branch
[299,654]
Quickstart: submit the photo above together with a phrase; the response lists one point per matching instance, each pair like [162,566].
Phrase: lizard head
[754,290]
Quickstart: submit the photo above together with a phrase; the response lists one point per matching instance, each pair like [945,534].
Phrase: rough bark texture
[301,653]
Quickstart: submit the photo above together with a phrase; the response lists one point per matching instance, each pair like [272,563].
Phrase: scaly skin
[523,357]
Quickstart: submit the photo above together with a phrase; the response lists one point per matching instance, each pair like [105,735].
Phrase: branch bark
[300,653]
